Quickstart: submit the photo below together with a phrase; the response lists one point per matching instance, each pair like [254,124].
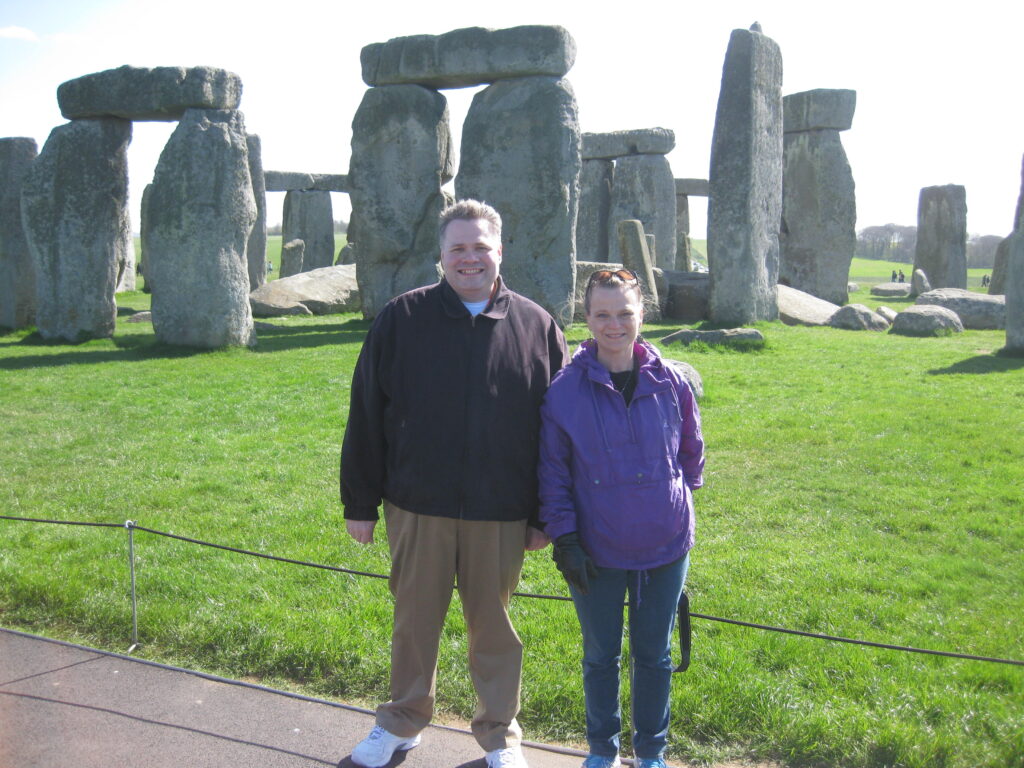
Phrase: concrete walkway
[68,705]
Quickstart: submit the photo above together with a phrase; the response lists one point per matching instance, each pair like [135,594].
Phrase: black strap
[684,633]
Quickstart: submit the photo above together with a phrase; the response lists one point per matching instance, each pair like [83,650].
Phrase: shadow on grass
[1000,362]
[139,347]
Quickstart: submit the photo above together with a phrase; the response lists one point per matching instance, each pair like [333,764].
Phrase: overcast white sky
[938,84]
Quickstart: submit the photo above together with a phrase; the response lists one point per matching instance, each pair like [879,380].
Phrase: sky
[938,84]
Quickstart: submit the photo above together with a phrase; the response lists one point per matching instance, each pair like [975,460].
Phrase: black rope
[61,522]
[766,627]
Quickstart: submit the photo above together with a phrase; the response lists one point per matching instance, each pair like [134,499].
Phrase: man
[443,427]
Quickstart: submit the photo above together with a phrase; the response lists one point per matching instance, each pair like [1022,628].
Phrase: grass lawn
[858,484]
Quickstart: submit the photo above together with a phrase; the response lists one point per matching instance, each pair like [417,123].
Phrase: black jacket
[444,417]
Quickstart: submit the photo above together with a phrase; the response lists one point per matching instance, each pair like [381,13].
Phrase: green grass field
[858,484]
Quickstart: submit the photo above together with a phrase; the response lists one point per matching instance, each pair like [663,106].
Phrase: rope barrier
[131,526]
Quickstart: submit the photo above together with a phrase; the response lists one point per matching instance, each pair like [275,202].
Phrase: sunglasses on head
[605,275]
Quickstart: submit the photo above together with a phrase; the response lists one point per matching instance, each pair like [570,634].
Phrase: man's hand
[536,539]
[361,530]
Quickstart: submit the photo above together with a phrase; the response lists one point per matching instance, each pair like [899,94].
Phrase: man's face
[470,257]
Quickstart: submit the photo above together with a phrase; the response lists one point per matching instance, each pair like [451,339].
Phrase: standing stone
[521,154]
[401,156]
[919,283]
[997,285]
[1015,278]
[595,201]
[256,249]
[147,279]
[1015,293]
[308,216]
[645,189]
[17,273]
[292,256]
[635,256]
[201,212]
[74,208]
[683,252]
[745,205]
[942,236]
[819,210]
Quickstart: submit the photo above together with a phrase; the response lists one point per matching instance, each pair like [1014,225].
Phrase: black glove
[573,561]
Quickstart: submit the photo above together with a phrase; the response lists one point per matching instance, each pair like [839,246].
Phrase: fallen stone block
[926,320]
[730,336]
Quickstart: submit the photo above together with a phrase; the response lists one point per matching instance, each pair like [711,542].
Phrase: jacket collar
[651,375]
[497,309]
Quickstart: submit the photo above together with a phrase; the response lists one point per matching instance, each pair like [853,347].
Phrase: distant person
[621,454]
[443,424]
[894,276]
[985,281]
[902,277]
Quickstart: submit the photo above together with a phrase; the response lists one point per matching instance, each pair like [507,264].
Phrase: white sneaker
[376,750]
[509,757]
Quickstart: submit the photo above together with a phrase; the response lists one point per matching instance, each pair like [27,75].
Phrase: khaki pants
[427,555]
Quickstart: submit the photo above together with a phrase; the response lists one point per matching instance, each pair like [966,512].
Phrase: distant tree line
[340,227]
[895,242]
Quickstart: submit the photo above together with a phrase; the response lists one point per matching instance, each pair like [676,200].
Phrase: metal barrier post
[130,526]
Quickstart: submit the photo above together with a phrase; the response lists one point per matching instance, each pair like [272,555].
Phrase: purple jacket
[621,477]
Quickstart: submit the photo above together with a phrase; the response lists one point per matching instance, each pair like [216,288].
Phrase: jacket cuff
[361,513]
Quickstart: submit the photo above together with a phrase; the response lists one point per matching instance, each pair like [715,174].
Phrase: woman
[621,451]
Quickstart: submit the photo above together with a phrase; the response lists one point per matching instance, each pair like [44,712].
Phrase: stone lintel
[295,181]
[692,187]
[820,109]
[469,56]
[644,141]
[148,94]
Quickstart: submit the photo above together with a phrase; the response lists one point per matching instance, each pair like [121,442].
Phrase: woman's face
[615,317]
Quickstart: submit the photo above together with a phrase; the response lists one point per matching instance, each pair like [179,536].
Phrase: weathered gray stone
[583,272]
[942,235]
[693,187]
[147,285]
[635,256]
[74,208]
[140,93]
[689,373]
[595,201]
[288,181]
[140,317]
[919,283]
[652,247]
[745,205]
[799,308]
[926,320]
[201,213]
[401,156]
[891,289]
[469,56]
[997,284]
[740,336]
[822,108]
[977,311]
[319,292]
[17,273]
[683,252]
[687,296]
[520,153]
[345,255]
[819,215]
[644,141]
[1015,291]
[645,190]
[256,249]
[852,287]
[309,216]
[887,312]
[857,317]
[292,258]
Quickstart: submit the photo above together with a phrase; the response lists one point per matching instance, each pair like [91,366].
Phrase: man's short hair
[469,210]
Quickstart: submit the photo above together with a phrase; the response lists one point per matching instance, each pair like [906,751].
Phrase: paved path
[68,705]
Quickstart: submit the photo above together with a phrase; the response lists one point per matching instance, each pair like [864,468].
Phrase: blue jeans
[653,599]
